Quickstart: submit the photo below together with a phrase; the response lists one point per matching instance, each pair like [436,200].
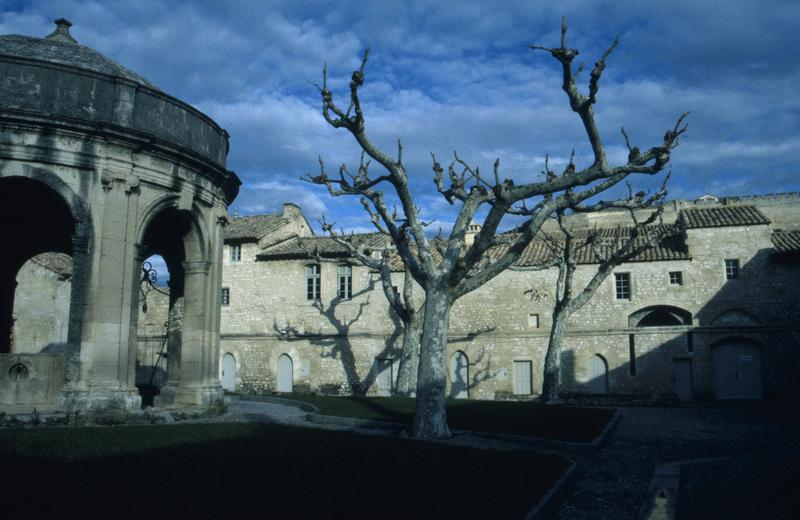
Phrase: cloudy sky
[450,76]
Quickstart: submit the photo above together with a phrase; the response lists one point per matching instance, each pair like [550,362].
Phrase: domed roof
[61,48]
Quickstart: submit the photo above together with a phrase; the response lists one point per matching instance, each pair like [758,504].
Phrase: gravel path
[613,482]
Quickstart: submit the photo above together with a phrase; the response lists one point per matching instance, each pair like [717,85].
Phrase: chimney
[472,230]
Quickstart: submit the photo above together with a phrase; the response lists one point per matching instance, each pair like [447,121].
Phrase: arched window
[312,283]
[660,316]
[735,317]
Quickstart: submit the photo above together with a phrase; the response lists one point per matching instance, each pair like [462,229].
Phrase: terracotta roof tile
[253,227]
[721,216]
[786,241]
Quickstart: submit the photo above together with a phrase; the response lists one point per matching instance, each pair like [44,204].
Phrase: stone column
[198,382]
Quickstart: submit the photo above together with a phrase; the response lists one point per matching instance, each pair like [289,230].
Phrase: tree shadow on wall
[338,344]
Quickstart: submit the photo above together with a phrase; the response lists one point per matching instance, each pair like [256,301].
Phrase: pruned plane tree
[449,269]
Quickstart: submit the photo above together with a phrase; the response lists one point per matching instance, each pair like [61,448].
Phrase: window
[675,278]
[226,296]
[236,252]
[623,286]
[345,282]
[731,268]
[533,321]
[312,282]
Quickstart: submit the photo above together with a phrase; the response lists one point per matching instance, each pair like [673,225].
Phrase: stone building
[709,312]
[98,164]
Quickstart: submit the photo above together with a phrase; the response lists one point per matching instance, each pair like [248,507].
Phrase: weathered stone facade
[98,164]
[684,329]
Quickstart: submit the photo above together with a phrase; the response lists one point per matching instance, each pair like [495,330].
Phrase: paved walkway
[718,462]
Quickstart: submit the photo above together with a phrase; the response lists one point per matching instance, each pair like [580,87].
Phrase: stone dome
[60,47]
[62,82]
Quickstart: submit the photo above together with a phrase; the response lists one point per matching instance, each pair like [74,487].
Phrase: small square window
[226,296]
[236,252]
[675,278]
[622,286]
[731,268]
[533,321]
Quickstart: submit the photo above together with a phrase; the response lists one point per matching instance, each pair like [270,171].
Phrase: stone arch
[737,368]
[181,239]
[735,316]
[60,222]
[660,316]
[459,375]
[598,375]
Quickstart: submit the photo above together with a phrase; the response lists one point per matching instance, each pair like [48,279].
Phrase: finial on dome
[61,34]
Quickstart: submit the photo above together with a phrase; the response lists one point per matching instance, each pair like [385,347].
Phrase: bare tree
[623,244]
[465,268]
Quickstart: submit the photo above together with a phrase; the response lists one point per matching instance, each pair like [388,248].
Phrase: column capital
[196,267]
[80,244]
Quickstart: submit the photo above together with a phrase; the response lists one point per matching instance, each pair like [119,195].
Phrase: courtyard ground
[227,470]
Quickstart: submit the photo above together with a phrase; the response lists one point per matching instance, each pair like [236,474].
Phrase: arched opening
[737,369]
[459,375]
[598,375]
[735,317]
[39,221]
[161,301]
[228,376]
[285,374]
[660,316]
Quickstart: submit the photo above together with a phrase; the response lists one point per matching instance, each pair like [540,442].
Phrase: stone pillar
[197,380]
[105,343]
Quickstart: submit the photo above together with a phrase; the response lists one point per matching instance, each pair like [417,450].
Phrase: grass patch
[223,470]
[568,423]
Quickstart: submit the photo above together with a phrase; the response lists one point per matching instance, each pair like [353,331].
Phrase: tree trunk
[430,418]
[552,359]
[409,358]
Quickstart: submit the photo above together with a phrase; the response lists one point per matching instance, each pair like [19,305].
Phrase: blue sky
[457,76]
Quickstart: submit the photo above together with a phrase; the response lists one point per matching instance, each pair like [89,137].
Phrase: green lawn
[266,471]
[568,423]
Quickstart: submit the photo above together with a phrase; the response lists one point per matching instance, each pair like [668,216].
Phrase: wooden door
[522,378]
[229,372]
[285,370]
[598,375]
[683,379]
[459,376]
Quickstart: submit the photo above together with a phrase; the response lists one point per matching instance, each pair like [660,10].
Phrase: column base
[207,397]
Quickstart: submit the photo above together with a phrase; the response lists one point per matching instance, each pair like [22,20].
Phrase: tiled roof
[786,241]
[59,263]
[670,247]
[253,227]
[720,216]
[304,247]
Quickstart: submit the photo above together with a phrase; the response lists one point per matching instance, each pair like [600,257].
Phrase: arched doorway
[660,316]
[737,369]
[459,376]
[229,372]
[598,375]
[285,371]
